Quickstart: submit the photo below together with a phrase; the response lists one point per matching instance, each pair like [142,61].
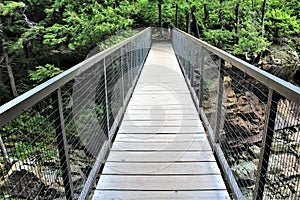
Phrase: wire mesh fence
[55,137]
[252,119]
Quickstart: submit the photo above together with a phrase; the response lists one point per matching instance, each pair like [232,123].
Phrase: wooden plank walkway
[161,150]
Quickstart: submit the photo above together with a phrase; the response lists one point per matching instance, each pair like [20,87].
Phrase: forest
[41,38]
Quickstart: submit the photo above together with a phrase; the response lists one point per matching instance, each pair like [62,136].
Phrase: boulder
[26,179]
[245,171]
[282,61]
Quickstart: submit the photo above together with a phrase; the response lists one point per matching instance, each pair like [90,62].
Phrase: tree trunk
[254,12]
[195,27]
[221,14]
[221,22]
[206,13]
[237,22]
[10,74]
[159,14]
[176,16]
[188,20]
[4,152]
[263,17]
[1,70]
[7,63]
[262,26]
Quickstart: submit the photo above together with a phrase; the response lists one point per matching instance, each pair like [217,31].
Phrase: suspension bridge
[148,119]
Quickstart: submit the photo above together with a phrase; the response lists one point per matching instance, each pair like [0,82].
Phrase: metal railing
[55,138]
[252,119]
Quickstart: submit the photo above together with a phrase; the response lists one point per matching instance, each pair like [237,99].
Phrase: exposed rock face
[245,171]
[244,115]
[241,142]
[27,179]
[32,179]
[282,61]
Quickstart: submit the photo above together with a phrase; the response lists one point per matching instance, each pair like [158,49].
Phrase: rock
[34,180]
[285,164]
[247,192]
[245,171]
[279,146]
[282,61]
[294,137]
[76,178]
[255,150]
[80,153]
[28,187]
[227,82]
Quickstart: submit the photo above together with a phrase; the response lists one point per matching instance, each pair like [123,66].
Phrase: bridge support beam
[62,144]
[266,148]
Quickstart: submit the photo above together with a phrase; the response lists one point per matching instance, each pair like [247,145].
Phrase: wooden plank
[162,146]
[161,87]
[174,123]
[167,107]
[137,195]
[159,137]
[170,79]
[161,150]
[163,97]
[155,102]
[161,111]
[159,117]
[160,156]
[143,92]
[182,168]
[183,182]
[161,129]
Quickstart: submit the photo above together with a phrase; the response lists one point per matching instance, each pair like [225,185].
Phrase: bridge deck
[161,150]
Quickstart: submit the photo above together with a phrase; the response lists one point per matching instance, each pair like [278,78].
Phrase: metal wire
[253,119]
[53,145]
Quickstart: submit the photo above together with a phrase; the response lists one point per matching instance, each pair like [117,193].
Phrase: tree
[10,15]
[263,17]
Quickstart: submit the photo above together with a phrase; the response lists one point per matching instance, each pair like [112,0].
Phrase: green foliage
[115,39]
[65,31]
[84,25]
[31,135]
[217,37]
[251,42]
[9,7]
[55,34]
[280,23]
[5,93]
[42,73]
[11,23]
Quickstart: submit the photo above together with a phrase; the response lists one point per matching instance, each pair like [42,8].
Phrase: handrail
[283,87]
[250,115]
[66,126]
[16,106]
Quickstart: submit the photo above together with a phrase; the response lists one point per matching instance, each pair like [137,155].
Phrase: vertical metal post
[191,67]
[128,62]
[131,63]
[267,140]
[62,145]
[220,99]
[201,88]
[136,58]
[122,73]
[138,54]
[106,98]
